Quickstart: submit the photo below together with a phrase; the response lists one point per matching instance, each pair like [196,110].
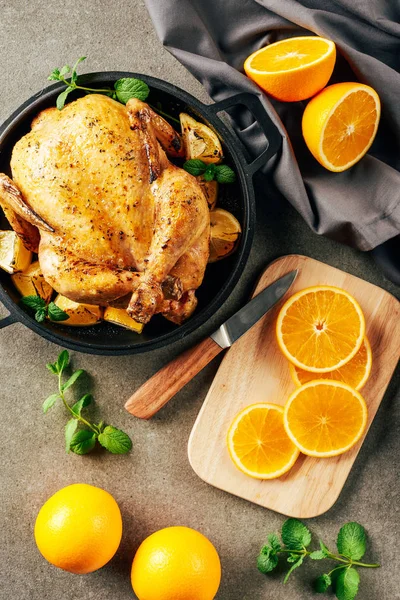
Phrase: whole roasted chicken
[114,222]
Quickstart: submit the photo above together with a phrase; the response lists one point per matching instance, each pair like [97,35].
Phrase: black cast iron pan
[220,278]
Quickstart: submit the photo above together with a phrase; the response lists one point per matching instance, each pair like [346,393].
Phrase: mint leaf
[317,555]
[209,172]
[115,440]
[40,315]
[61,98]
[274,542]
[83,441]
[72,379]
[296,565]
[324,549]
[62,361]
[224,174]
[82,403]
[66,69]
[322,583]
[295,535]
[195,166]
[129,87]
[55,313]
[70,429]
[52,368]
[33,302]
[347,583]
[267,560]
[352,541]
[49,402]
[54,75]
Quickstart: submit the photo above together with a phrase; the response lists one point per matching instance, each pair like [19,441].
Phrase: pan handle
[271,132]
[7,321]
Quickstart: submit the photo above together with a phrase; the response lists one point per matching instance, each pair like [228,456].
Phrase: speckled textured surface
[155,485]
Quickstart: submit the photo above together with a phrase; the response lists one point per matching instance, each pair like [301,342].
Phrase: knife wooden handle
[167,382]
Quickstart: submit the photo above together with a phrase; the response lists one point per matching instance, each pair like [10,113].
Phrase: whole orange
[176,563]
[79,528]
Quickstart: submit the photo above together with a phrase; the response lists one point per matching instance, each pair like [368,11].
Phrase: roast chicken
[113,221]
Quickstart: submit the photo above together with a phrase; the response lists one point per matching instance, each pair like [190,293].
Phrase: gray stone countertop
[155,485]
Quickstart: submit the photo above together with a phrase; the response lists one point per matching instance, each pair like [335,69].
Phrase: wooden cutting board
[254,370]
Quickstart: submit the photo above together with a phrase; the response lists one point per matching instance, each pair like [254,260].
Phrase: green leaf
[224,174]
[81,59]
[322,583]
[324,549]
[274,542]
[52,368]
[40,315]
[62,361]
[296,565]
[49,402]
[129,87]
[347,584]
[66,69]
[33,302]
[267,560]
[72,379]
[295,535]
[115,440]
[317,555]
[209,172]
[70,429]
[352,541]
[83,441]
[55,313]
[82,403]
[292,558]
[195,166]
[54,75]
[61,98]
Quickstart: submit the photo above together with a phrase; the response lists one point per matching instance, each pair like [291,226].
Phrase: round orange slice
[225,232]
[320,328]
[355,373]
[325,418]
[258,443]
[340,124]
[293,69]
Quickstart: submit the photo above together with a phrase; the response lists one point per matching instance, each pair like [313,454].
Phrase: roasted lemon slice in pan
[80,315]
[120,317]
[14,256]
[31,282]
[200,141]
[210,190]
[225,233]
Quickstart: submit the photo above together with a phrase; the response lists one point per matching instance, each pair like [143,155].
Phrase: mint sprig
[83,441]
[296,538]
[221,173]
[42,310]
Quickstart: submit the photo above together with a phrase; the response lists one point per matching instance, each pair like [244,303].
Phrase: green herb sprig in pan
[42,310]
[296,538]
[83,441]
[221,173]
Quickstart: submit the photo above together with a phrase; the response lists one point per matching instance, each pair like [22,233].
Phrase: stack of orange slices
[321,331]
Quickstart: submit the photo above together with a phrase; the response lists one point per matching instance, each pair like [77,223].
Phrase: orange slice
[293,69]
[355,373]
[320,328]
[340,124]
[325,418]
[258,444]
[224,234]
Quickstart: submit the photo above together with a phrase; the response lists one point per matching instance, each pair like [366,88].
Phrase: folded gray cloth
[212,38]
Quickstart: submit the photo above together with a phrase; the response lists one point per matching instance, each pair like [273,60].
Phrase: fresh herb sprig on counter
[124,89]
[296,537]
[83,441]
[221,173]
[43,310]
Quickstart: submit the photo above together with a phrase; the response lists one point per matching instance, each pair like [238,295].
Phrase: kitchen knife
[160,388]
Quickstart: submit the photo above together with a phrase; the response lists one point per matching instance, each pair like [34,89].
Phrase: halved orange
[293,69]
[258,444]
[325,418]
[320,328]
[340,124]
[355,373]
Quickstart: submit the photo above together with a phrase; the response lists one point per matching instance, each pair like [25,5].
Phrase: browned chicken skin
[114,222]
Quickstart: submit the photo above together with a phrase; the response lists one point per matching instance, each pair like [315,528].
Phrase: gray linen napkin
[212,38]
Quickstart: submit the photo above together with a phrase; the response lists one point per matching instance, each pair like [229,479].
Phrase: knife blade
[163,386]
